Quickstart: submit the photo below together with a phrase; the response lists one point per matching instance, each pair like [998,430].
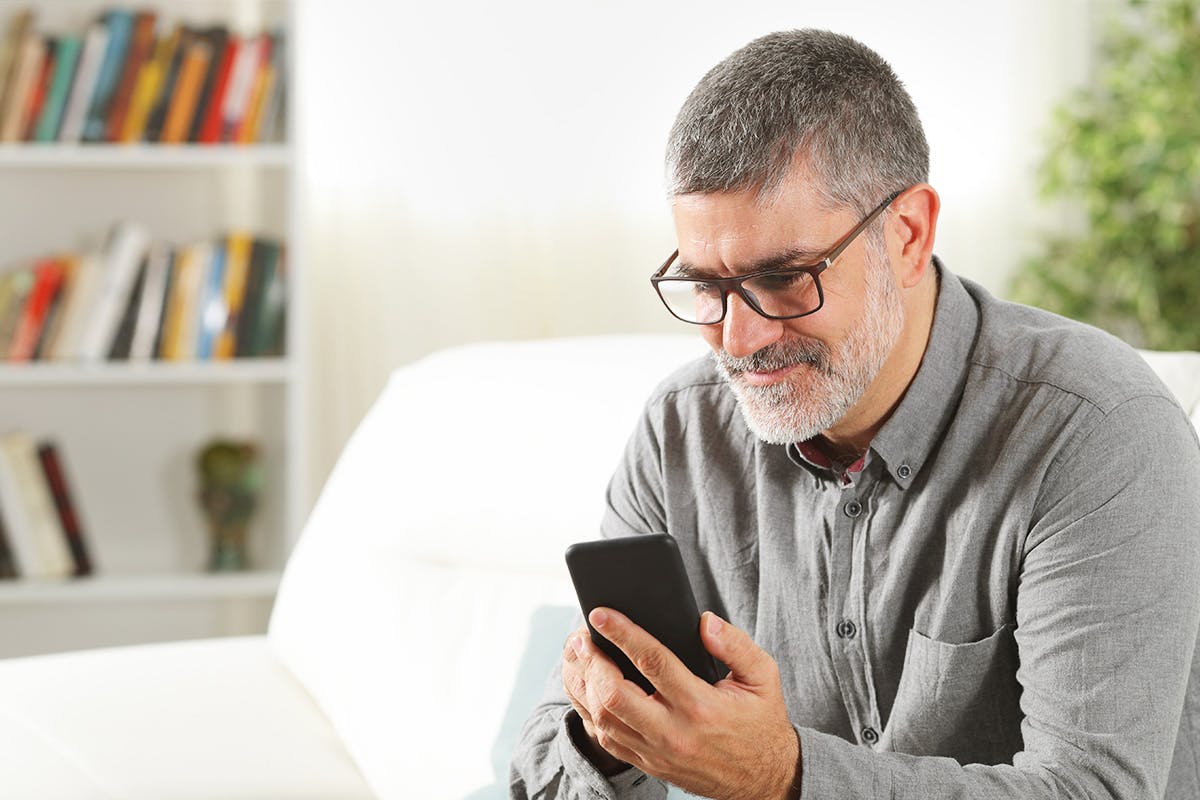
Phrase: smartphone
[643,577]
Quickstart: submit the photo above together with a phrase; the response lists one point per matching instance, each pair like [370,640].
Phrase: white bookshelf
[128,432]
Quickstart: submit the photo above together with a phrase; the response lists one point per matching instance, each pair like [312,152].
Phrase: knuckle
[610,697]
[651,662]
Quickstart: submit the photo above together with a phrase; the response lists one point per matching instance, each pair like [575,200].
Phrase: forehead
[735,231]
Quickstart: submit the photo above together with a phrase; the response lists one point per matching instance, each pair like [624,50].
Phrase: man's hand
[731,740]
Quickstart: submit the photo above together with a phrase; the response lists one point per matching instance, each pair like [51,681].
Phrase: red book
[140,50]
[52,468]
[210,128]
[47,281]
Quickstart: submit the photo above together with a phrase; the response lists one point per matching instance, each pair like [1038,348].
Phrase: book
[29,509]
[54,314]
[264,256]
[123,339]
[148,86]
[218,39]
[26,69]
[237,268]
[194,66]
[120,31]
[66,508]
[18,25]
[123,254]
[210,123]
[271,126]
[179,321]
[77,303]
[47,281]
[41,87]
[271,327]
[8,562]
[154,292]
[158,111]
[141,48]
[212,312]
[66,57]
[250,54]
[95,43]
[21,283]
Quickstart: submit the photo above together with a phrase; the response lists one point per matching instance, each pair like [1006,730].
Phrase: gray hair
[817,95]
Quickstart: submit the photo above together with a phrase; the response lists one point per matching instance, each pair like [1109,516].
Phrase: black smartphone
[643,577]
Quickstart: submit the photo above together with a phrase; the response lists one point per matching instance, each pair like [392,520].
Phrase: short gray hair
[815,94]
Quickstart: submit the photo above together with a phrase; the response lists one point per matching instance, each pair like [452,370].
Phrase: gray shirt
[1002,603]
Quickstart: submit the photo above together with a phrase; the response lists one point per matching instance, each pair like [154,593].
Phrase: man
[950,545]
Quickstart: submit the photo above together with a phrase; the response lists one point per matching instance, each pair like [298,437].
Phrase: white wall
[494,170]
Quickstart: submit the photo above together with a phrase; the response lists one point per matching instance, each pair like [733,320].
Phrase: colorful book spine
[28,67]
[20,24]
[123,255]
[141,48]
[66,508]
[182,108]
[237,268]
[41,88]
[210,126]
[148,86]
[95,43]
[47,282]
[212,309]
[120,31]
[65,59]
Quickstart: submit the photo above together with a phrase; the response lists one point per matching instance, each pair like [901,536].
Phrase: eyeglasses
[784,293]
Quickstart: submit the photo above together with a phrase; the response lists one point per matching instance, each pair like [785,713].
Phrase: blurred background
[402,177]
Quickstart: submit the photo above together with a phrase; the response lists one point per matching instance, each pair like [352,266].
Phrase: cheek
[712,334]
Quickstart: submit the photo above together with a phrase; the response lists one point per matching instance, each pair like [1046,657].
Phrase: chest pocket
[958,700]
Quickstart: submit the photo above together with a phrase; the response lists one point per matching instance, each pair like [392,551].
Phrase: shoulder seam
[1072,392]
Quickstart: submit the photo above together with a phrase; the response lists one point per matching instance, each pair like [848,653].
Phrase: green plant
[1125,152]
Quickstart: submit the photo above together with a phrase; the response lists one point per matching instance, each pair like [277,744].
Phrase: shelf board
[144,156]
[141,588]
[117,373]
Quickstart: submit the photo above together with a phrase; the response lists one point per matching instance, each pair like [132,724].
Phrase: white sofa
[418,616]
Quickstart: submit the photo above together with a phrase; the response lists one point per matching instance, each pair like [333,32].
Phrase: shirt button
[904,471]
[846,629]
[870,736]
[853,508]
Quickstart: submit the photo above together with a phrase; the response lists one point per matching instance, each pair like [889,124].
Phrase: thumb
[748,663]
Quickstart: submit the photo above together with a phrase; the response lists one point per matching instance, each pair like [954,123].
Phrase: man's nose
[744,330]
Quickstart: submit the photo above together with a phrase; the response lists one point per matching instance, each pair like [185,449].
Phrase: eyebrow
[793,257]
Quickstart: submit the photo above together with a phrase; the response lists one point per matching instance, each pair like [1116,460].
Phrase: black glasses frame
[734,284]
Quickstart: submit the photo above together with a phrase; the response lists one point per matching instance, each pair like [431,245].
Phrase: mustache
[776,356]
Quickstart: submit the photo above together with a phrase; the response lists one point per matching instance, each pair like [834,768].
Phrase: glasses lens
[784,294]
[692,301]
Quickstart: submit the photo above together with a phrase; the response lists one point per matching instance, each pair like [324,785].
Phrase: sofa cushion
[92,725]
[409,601]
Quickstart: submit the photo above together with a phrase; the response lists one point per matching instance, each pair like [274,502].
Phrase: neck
[853,433]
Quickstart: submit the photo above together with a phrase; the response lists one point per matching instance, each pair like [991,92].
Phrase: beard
[831,379]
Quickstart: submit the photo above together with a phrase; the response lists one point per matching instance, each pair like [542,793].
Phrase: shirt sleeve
[1107,616]
[546,764]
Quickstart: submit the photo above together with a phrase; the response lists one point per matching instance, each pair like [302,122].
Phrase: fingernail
[599,619]
[715,624]
[577,645]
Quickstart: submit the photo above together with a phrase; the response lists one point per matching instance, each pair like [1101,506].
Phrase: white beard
[816,396]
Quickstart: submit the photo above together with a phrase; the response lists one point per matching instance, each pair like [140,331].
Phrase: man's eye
[779,282]
[705,289]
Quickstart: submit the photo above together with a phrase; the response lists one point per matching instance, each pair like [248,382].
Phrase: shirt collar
[908,437]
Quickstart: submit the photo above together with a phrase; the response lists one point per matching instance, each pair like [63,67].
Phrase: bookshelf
[128,431]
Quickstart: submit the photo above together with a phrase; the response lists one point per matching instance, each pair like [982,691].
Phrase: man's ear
[912,224]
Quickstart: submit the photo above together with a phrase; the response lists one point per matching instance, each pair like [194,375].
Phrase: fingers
[748,663]
[671,678]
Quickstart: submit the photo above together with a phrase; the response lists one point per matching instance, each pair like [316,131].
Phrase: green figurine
[231,479]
